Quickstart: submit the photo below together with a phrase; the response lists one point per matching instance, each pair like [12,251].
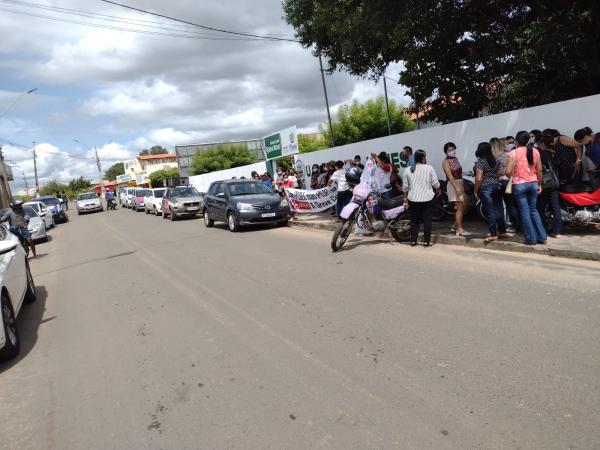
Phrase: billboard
[282,143]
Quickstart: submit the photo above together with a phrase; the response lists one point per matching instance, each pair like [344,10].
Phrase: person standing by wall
[455,187]
[419,184]
[548,198]
[487,188]
[502,162]
[344,194]
[525,169]
[383,174]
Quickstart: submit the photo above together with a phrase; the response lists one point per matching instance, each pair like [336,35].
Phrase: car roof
[47,196]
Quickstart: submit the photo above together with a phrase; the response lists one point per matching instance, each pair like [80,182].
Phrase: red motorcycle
[580,204]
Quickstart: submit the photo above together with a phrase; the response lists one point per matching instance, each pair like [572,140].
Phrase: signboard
[283,143]
[312,201]
[124,178]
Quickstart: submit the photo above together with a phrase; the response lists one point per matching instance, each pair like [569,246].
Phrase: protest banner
[303,201]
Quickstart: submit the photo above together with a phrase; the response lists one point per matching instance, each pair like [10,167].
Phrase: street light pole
[37,183]
[14,102]
[331,139]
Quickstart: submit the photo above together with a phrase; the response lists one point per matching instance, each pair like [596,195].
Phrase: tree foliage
[157,178]
[221,157]
[362,121]
[114,171]
[460,56]
[74,187]
[308,144]
[155,150]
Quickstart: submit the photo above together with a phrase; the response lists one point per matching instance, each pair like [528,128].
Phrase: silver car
[35,224]
[88,202]
[44,212]
[182,201]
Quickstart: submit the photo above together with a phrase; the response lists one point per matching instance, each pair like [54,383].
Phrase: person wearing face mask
[509,143]
[455,187]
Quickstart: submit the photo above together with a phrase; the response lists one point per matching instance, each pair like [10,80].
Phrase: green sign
[273,146]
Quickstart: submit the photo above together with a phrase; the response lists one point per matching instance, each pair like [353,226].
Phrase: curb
[471,242]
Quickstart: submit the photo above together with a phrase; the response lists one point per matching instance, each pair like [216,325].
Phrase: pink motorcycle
[374,214]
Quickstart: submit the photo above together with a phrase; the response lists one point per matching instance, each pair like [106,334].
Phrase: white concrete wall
[567,117]
[202,182]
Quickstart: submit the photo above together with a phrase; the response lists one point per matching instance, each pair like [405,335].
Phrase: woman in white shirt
[419,184]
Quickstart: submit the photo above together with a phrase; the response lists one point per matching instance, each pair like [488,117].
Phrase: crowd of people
[522,174]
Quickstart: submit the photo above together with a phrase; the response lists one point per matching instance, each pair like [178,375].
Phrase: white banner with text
[304,201]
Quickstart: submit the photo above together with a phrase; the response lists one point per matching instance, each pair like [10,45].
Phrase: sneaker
[463,233]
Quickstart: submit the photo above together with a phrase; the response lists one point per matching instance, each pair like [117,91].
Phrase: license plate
[268,215]
[193,208]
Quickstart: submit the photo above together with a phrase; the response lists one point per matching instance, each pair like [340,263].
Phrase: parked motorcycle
[112,204]
[374,214]
[442,206]
[579,204]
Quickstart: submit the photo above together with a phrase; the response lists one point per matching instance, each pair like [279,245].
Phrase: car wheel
[164,214]
[30,294]
[232,222]
[208,222]
[155,211]
[13,343]
[172,216]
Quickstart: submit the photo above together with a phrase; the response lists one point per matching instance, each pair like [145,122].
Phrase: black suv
[244,202]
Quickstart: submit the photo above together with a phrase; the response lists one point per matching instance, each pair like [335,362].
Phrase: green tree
[155,150]
[308,144]
[114,171]
[460,56]
[362,121]
[157,178]
[53,187]
[80,184]
[221,157]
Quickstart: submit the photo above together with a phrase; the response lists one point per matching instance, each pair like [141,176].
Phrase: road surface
[156,335]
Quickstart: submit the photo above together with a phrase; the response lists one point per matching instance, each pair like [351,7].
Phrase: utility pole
[37,183]
[331,139]
[5,188]
[26,184]
[387,106]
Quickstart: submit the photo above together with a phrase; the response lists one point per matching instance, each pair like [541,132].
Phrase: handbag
[549,179]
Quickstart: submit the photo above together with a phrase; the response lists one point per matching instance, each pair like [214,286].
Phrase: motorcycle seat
[391,203]
[576,188]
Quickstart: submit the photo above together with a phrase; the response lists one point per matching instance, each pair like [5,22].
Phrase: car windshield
[88,196]
[159,193]
[29,212]
[185,192]
[248,188]
[50,201]
[140,192]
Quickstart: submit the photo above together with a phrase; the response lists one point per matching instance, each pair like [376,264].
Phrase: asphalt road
[156,335]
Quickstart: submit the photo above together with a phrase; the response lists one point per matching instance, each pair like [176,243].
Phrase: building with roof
[140,168]
[185,152]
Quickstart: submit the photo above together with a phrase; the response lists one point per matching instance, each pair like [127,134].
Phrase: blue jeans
[550,197]
[525,195]
[491,197]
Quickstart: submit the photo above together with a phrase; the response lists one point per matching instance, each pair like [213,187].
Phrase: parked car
[137,200]
[43,211]
[54,204]
[153,201]
[244,202]
[122,196]
[17,287]
[129,196]
[35,224]
[88,202]
[181,201]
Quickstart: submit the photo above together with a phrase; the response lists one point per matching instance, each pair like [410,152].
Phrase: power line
[130,30]
[220,30]
[108,18]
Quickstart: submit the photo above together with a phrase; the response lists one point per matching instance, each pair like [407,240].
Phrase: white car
[35,224]
[153,201]
[129,196]
[44,212]
[17,287]
[122,197]
[88,202]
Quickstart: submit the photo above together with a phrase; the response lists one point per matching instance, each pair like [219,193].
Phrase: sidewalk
[576,243]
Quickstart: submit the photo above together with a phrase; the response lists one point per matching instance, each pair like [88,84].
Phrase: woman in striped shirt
[419,184]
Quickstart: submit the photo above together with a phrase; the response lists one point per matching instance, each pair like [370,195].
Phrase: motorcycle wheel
[401,233]
[439,212]
[341,234]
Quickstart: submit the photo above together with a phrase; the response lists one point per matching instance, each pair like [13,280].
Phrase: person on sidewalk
[509,203]
[455,187]
[487,188]
[525,169]
[549,196]
[344,194]
[419,184]
[384,171]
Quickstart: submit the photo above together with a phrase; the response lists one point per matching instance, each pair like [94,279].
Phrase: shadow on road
[28,322]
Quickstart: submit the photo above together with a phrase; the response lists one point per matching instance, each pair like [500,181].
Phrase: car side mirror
[221,194]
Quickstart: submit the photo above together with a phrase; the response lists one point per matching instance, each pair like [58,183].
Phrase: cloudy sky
[124,91]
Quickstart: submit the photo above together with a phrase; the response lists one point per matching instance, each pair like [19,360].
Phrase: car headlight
[284,203]
[244,206]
